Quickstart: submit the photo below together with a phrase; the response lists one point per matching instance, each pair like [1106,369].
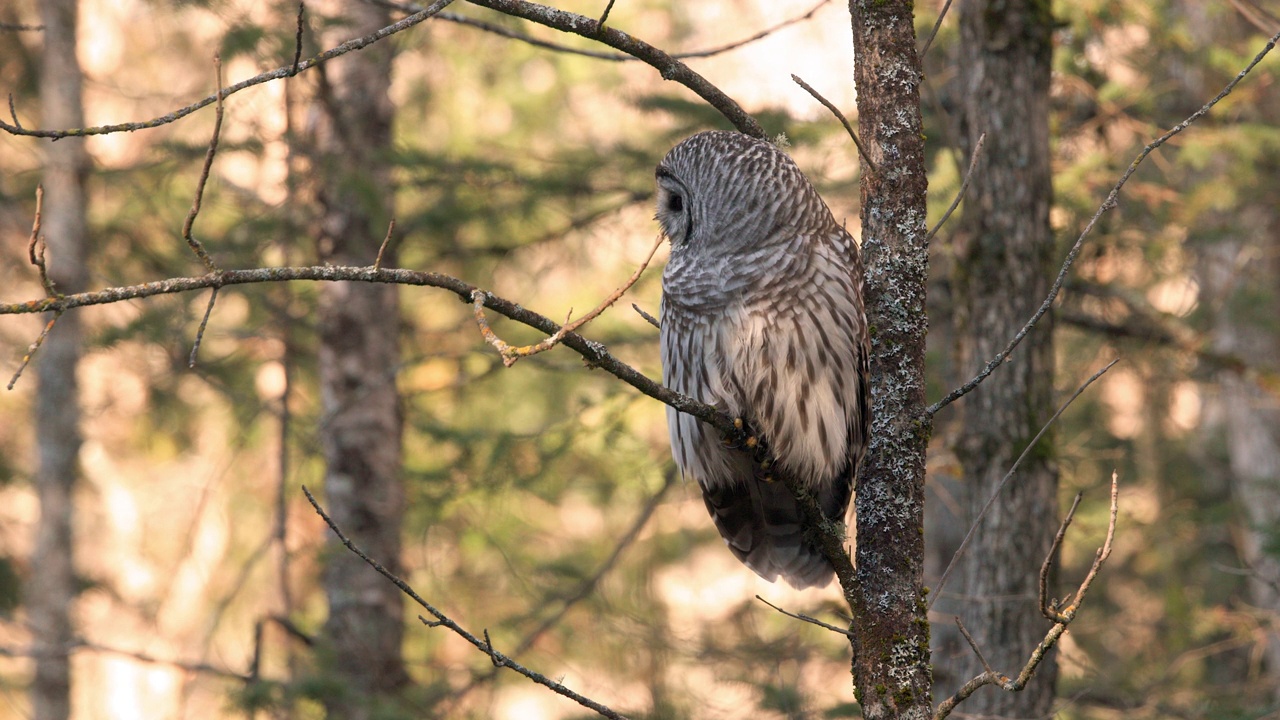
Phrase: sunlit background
[528,172]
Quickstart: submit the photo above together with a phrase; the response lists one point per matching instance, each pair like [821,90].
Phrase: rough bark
[50,592]
[1004,264]
[358,356]
[891,642]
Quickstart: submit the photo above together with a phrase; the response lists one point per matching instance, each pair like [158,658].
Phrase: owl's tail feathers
[760,522]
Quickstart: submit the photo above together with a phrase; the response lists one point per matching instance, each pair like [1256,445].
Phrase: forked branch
[1062,615]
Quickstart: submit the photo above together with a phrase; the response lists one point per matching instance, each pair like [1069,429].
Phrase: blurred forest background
[540,502]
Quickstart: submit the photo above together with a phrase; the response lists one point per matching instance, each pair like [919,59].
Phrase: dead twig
[35,253]
[806,618]
[1109,203]
[1061,621]
[1049,608]
[937,25]
[648,318]
[964,187]
[964,544]
[193,243]
[511,354]
[297,40]
[204,323]
[862,152]
[485,646]
[283,72]
[599,55]
[382,249]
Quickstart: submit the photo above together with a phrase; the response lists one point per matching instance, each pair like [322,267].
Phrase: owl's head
[720,192]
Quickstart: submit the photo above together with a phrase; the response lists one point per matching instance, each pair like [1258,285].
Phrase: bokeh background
[540,501]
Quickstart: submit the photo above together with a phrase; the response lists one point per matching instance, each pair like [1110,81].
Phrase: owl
[762,318]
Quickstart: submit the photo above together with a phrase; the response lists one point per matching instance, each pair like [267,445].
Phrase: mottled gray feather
[762,317]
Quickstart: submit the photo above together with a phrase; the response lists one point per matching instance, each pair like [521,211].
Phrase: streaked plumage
[762,317]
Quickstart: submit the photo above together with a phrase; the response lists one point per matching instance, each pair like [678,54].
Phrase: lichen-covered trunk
[361,425]
[891,635]
[50,594]
[1004,264]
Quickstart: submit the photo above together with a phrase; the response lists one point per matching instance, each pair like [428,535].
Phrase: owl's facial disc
[674,212]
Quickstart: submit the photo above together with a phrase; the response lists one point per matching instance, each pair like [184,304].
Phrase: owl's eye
[675,202]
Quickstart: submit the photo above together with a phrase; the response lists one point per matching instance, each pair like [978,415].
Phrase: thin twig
[485,645]
[36,244]
[382,249]
[669,67]
[964,187]
[806,618]
[283,72]
[964,544]
[35,253]
[599,55]
[204,322]
[13,112]
[974,645]
[297,40]
[511,354]
[1065,618]
[936,26]
[32,348]
[839,116]
[1048,607]
[604,16]
[19,27]
[1109,203]
[593,353]
[649,318]
[193,243]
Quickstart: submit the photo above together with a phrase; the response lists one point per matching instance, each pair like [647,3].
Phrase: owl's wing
[795,369]
[800,358]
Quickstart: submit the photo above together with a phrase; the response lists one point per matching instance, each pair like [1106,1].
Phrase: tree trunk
[1004,263]
[359,354]
[51,590]
[891,646]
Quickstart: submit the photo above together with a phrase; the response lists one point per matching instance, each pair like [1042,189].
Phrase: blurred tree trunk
[350,121]
[51,591]
[1003,268]
[1239,276]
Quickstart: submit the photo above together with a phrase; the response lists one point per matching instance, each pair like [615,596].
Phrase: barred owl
[762,317]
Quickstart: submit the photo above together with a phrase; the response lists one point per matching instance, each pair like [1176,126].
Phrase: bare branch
[13,112]
[486,646]
[195,244]
[511,354]
[204,322]
[1048,607]
[35,253]
[382,249]
[964,544]
[862,152]
[806,618]
[287,71]
[297,40]
[593,353]
[648,318]
[964,187]
[669,67]
[604,16]
[991,677]
[19,27]
[936,26]
[599,55]
[974,646]
[1109,203]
